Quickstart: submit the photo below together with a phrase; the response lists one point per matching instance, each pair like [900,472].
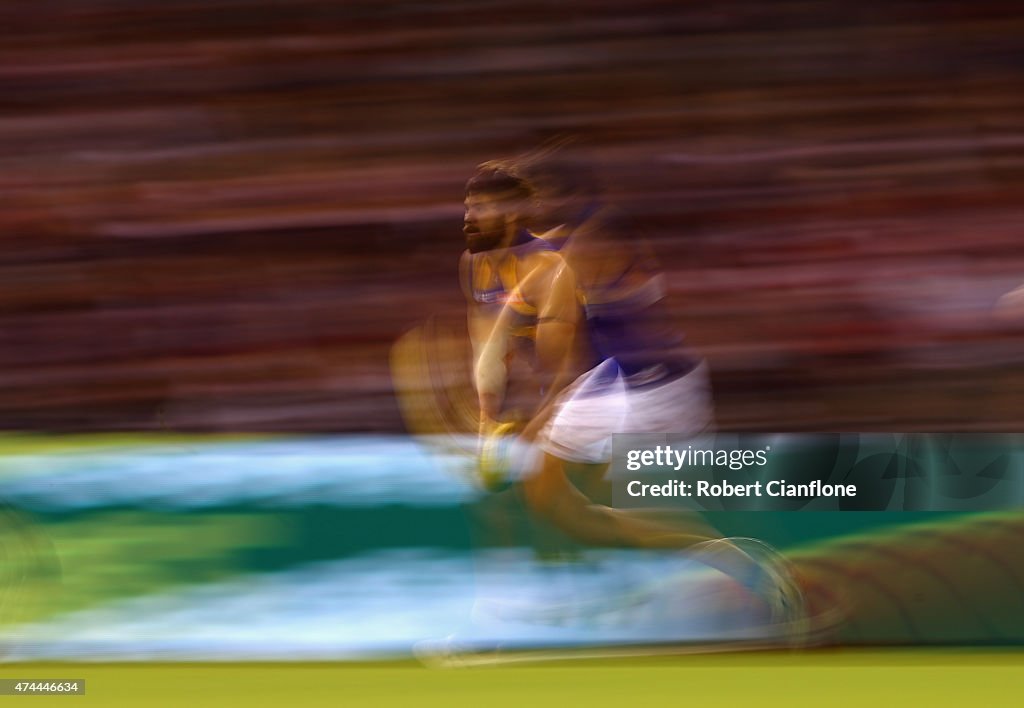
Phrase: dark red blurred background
[220,215]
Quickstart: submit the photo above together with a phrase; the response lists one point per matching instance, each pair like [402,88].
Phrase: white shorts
[599,404]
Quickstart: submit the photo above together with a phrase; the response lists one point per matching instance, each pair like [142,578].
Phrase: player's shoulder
[541,269]
[545,258]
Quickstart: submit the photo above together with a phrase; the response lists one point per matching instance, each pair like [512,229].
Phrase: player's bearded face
[485,222]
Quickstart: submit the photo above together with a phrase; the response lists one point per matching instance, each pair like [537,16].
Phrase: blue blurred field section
[149,548]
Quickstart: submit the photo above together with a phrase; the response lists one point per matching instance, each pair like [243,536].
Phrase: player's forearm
[556,355]
[490,378]
[490,374]
[490,406]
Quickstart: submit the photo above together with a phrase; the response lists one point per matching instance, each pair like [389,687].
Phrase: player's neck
[515,235]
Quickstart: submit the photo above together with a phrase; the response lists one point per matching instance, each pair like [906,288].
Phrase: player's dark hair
[498,180]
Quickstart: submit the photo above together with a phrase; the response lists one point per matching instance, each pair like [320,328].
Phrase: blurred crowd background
[220,215]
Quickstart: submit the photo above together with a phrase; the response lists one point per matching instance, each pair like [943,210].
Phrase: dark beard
[478,242]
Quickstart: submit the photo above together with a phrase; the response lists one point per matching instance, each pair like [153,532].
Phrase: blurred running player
[607,357]
[521,295]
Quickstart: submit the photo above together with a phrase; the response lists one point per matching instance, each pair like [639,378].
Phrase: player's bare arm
[553,289]
[489,346]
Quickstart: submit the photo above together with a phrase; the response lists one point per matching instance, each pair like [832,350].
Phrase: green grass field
[873,678]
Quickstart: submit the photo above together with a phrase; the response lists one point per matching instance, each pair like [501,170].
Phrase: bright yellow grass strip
[868,679]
